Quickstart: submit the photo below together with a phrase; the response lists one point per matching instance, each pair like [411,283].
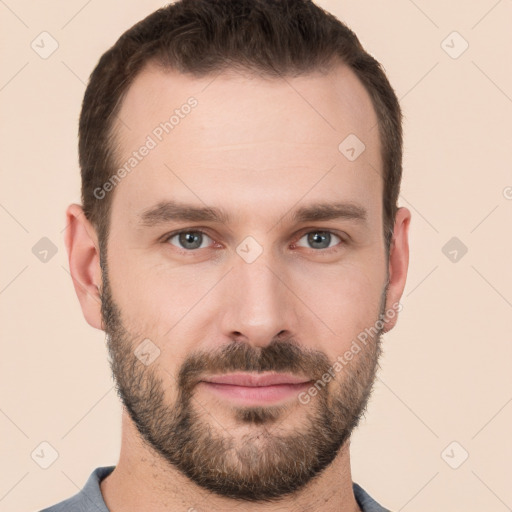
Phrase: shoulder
[89,498]
[365,501]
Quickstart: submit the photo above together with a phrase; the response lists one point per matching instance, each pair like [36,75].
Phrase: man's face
[258,291]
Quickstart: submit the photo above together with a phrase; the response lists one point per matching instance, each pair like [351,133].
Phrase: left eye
[320,239]
[190,239]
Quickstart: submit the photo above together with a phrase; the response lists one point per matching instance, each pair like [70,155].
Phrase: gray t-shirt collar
[90,499]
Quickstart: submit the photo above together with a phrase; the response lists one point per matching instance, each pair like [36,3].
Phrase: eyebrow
[167,211]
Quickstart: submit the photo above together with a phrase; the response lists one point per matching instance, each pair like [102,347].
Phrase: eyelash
[328,250]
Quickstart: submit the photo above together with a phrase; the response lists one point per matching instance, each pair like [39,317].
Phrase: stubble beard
[268,461]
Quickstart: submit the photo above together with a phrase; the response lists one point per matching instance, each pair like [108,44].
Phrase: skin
[255,148]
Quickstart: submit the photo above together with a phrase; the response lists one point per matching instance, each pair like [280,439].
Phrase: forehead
[245,139]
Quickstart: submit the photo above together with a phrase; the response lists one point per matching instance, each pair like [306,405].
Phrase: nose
[260,305]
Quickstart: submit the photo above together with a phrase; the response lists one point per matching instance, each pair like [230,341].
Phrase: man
[240,244]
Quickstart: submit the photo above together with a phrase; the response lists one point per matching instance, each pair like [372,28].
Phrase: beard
[268,461]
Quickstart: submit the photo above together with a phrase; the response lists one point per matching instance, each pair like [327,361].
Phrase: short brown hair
[271,37]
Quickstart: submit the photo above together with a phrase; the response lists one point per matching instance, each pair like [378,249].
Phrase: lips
[252,389]
[256,380]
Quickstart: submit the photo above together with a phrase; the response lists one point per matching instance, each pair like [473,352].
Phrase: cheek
[346,298]
[170,306]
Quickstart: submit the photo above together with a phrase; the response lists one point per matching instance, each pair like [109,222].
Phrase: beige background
[446,369]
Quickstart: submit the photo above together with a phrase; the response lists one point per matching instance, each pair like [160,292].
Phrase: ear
[398,265]
[84,263]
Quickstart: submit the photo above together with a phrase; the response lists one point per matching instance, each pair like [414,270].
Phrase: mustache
[277,356]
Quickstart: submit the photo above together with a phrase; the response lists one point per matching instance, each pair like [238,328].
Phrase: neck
[142,480]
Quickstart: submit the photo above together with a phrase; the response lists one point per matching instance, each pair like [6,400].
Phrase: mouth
[247,388]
